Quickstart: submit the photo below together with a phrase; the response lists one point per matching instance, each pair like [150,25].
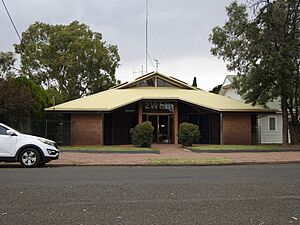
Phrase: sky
[178,32]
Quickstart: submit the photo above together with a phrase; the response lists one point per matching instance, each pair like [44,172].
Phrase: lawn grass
[170,161]
[240,147]
[106,148]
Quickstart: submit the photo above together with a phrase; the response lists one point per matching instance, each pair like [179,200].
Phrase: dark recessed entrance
[207,120]
[163,128]
[161,114]
[118,123]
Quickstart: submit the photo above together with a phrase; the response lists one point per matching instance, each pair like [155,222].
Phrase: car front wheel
[30,157]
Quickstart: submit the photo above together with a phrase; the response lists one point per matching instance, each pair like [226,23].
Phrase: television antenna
[156,64]
[147,55]
[146,60]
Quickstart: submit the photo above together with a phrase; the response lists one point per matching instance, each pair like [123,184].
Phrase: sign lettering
[158,107]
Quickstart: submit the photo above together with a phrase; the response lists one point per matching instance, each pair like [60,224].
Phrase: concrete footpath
[173,152]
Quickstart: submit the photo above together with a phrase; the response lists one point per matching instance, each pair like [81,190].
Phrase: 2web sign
[158,107]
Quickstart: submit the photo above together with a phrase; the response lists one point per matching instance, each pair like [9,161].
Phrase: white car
[30,151]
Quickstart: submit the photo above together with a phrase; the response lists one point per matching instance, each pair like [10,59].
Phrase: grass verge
[106,148]
[241,147]
[177,162]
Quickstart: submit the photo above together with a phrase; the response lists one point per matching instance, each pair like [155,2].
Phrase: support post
[221,129]
[140,116]
[175,123]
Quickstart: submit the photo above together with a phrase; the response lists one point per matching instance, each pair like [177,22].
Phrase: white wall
[231,93]
[267,135]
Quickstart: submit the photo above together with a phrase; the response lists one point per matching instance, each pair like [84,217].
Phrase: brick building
[105,118]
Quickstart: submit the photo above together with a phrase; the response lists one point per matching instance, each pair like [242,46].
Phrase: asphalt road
[242,195]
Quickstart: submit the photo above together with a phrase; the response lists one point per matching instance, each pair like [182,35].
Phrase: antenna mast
[156,64]
[146,37]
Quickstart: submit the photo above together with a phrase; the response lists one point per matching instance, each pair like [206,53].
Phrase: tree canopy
[216,89]
[16,103]
[71,58]
[7,61]
[21,99]
[262,47]
[38,94]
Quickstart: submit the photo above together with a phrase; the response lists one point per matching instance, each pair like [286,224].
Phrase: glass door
[164,129]
[154,122]
[162,125]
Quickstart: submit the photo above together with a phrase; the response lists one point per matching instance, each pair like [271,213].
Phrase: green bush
[142,134]
[188,134]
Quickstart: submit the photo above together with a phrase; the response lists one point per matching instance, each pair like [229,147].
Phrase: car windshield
[12,129]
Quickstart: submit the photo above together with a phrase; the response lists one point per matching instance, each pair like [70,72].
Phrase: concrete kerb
[170,165]
[13,165]
[112,151]
[240,151]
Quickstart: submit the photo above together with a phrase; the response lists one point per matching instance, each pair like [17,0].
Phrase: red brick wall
[86,129]
[236,128]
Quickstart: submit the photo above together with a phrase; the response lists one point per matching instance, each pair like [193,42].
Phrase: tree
[71,58]
[38,94]
[7,61]
[16,81]
[263,49]
[21,101]
[55,96]
[16,103]
[216,89]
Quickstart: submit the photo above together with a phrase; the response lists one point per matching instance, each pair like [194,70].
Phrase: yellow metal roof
[116,98]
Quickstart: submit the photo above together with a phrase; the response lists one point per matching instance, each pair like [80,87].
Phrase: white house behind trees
[269,128]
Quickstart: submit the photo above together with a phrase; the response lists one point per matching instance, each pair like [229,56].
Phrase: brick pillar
[140,113]
[176,123]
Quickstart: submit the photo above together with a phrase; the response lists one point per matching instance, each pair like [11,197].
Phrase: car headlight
[52,152]
[48,142]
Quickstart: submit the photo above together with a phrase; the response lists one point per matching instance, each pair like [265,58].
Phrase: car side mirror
[10,133]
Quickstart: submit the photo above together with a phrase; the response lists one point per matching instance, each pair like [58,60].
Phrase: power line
[11,20]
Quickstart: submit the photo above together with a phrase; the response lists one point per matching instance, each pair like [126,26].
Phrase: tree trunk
[285,121]
[295,132]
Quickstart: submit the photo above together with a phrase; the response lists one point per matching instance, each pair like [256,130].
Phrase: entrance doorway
[162,124]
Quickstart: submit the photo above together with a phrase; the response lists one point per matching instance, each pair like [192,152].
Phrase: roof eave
[248,110]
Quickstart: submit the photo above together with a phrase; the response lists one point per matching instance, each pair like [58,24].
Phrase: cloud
[209,71]
[178,31]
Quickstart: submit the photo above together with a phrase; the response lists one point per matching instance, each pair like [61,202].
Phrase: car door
[7,143]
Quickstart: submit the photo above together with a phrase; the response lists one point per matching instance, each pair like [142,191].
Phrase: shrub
[188,134]
[142,134]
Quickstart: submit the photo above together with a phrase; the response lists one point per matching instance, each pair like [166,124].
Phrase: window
[162,83]
[272,123]
[154,82]
[146,83]
[3,130]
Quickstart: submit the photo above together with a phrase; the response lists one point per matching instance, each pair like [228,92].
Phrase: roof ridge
[171,79]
